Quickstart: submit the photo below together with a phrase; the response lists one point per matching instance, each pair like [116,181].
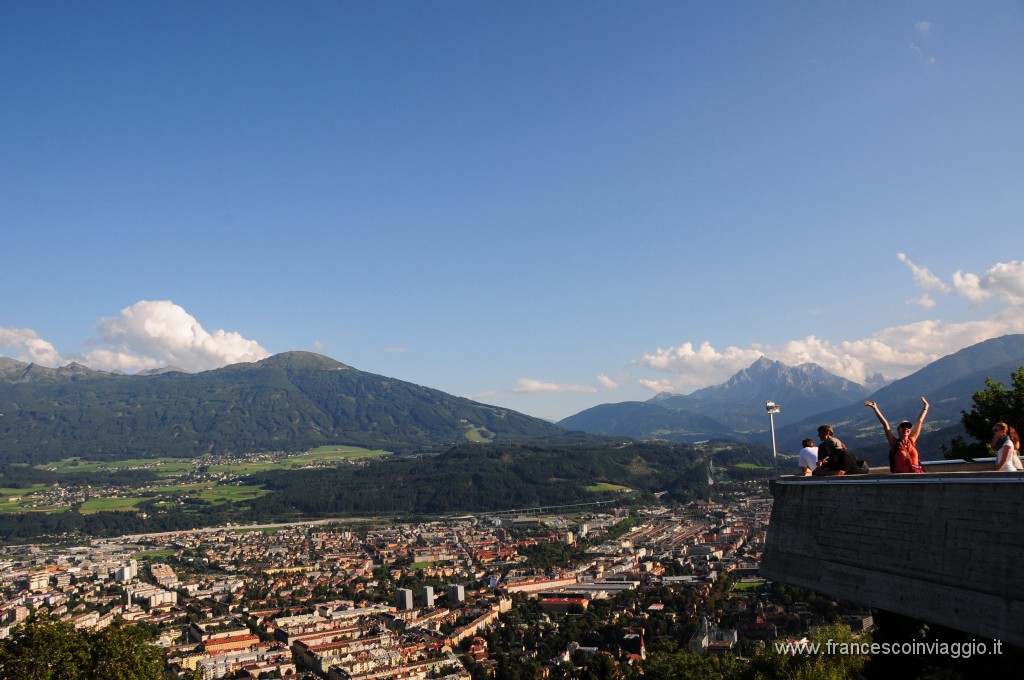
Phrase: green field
[175,467]
[219,495]
[751,466]
[165,467]
[24,503]
[338,454]
[478,435]
[605,486]
[155,555]
[209,492]
[100,504]
[745,584]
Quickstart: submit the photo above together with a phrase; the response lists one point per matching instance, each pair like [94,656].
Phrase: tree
[992,405]
[125,653]
[668,661]
[45,648]
[836,657]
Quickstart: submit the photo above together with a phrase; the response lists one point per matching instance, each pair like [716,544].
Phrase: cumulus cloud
[29,347]
[894,352]
[154,333]
[607,382]
[530,385]
[926,301]
[1003,281]
[698,367]
[924,277]
[969,286]
[658,386]
[1006,279]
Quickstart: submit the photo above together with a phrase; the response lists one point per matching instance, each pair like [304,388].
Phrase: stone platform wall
[942,547]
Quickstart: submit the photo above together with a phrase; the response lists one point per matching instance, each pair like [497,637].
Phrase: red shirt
[905,454]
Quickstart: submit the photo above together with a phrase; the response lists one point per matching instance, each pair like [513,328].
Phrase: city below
[450,598]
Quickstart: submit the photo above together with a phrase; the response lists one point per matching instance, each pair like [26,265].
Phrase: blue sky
[541,205]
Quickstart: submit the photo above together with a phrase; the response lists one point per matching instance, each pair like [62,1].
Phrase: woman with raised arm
[1006,443]
[903,455]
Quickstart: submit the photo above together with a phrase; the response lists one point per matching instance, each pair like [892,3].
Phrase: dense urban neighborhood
[460,597]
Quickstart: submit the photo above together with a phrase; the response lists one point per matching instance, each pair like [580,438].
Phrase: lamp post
[772,409]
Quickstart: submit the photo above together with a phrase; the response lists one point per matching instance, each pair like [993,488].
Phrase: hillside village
[455,598]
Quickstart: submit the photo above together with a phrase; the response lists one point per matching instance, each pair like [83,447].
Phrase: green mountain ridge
[288,402]
[646,420]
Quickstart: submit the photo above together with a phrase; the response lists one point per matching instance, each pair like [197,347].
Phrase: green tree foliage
[125,653]
[994,404]
[50,649]
[667,661]
[825,664]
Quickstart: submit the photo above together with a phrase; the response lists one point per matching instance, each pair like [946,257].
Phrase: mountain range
[298,400]
[808,395]
[734,408]
[291,401]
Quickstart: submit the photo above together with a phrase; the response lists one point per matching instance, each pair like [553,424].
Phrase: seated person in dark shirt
[833,457]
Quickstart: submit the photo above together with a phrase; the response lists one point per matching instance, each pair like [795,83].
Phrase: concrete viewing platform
[946,546]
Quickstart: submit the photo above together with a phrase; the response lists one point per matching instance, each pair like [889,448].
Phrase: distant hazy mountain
[290,401]
[740,401]
[645,420]
[736,407]
[948,384]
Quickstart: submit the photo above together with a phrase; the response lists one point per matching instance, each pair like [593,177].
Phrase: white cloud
[530,385]
[607,382]
[30,347]
[395,350]
[1006,279]
[924,277]
[123,362]
[693,368]
[969,286]
[923,29]
[154,333]
[658,386]
[926,301]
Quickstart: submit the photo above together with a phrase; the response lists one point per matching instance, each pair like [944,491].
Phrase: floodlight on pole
[772,409]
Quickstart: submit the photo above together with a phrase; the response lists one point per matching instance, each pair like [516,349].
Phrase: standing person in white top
[808,456]
[1006,443]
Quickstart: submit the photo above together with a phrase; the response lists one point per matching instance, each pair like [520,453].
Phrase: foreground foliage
[50,649]
[993,404]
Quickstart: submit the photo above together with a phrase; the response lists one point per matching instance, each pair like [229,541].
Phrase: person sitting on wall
[903,455]
[808,457]
[1006,443]
[833,456]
